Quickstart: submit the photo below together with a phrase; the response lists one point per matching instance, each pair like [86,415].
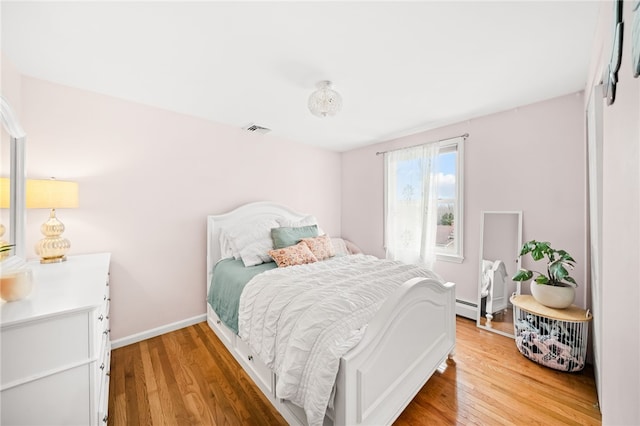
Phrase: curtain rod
[465,135]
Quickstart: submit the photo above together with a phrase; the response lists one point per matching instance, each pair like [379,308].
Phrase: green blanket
[228,280]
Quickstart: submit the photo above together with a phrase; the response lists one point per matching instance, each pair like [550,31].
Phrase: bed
[408,336]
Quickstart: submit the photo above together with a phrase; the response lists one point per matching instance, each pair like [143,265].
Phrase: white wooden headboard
[244,214]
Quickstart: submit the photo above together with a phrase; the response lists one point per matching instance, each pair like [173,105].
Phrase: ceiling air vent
[255,128]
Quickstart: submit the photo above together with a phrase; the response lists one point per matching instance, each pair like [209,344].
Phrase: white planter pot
[553,296]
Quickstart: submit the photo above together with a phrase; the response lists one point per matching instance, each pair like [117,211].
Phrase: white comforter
[300,320]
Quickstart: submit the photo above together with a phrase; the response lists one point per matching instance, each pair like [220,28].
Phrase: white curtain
[411,204]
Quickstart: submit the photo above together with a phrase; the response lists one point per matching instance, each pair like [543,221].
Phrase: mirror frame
[480,258]
[17,176]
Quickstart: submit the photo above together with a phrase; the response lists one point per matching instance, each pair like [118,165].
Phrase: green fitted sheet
[228,280]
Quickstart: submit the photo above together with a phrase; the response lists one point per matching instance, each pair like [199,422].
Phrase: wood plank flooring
[187,377]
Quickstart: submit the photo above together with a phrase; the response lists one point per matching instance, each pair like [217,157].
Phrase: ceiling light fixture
[324,101]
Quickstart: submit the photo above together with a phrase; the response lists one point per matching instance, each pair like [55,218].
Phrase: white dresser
[55,346]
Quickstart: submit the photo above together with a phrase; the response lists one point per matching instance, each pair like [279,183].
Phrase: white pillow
[257,253]
[339,246]
[226,247]
[239,237]
[305,221]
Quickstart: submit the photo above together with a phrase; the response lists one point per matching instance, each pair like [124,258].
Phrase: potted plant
[556,288]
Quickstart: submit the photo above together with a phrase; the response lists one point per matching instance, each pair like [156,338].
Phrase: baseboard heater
[466,309]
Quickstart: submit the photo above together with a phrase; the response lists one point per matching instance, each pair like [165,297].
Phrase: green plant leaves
[540,250]
[522,275]
[558,264]
[6,247]
[541,279]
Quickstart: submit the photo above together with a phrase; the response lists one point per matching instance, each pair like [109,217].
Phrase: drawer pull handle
[250,357]
[108,373]
[102,366]
[218,322]
[105,297]
[107,331]
[104,419]
[100,317]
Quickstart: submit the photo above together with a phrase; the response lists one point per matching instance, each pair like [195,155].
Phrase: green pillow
[284,237]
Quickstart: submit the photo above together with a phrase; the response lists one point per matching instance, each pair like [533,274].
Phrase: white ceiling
[401,67]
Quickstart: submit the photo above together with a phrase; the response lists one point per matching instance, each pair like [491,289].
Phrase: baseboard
[463,308]
[466,309]
[138,337]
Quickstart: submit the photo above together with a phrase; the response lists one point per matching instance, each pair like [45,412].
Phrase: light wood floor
[188,378]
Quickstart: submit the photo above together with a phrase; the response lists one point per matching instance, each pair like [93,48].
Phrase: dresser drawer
[100,328]
[223,332]
[100,324]
[103,399]
[102,365]
[260,373]
[64,340]
[60,399]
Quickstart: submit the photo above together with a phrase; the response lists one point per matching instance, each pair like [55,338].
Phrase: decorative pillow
[352,248]
[298,254]
[339,246]
[321,247]
[240,236]
[285,236]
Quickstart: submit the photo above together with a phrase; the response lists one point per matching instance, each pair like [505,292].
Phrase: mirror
[15,138]
[500,243]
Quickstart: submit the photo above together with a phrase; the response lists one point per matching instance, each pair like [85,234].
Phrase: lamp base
[52,248]
[53,259]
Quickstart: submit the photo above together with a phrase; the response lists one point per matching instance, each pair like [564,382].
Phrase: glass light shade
[51,194]
[325,101]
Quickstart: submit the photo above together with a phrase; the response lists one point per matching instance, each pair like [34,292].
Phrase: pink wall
[10,83]
[147,179]
[531,158]
[619,367]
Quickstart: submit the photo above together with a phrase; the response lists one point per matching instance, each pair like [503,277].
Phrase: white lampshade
[4,193]
[4,204]
[51,194]
[325,101]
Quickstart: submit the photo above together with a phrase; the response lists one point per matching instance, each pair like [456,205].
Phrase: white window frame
[458,256]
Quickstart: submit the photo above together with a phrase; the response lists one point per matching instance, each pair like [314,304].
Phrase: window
[423,203]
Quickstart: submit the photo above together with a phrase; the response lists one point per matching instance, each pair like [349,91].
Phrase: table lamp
[52,194]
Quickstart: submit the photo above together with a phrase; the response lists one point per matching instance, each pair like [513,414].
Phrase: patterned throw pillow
[321,247]
[298,254]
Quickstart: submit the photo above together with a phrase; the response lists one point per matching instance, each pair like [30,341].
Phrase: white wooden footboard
[411,335]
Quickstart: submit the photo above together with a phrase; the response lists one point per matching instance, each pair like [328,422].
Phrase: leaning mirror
[500,242]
